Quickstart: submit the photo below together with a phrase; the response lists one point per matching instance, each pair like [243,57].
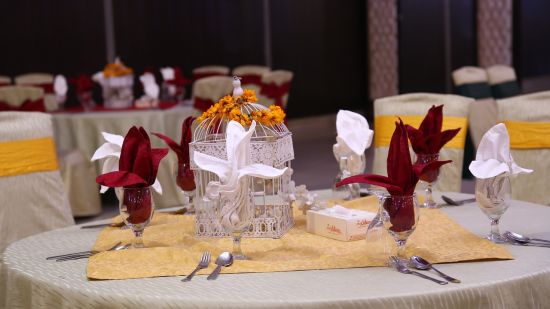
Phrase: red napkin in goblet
[428,138]
[401,180]
[184,179]
[138,166]
[83,83]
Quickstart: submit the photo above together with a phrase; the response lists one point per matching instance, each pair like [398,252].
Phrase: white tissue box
[339,223]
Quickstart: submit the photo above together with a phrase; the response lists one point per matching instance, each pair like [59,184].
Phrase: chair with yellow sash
[412,108]
[527,119]
[33,198]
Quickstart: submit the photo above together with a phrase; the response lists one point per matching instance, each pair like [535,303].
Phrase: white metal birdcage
[270,145]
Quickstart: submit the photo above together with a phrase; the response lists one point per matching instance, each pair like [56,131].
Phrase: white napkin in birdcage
[354,134]
[111,152]
[493,155]
[60,85]
[167,73]
[231,171]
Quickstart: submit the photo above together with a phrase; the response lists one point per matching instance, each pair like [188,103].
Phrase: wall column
[494,32]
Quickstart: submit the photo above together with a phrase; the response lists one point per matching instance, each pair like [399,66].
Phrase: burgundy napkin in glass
[428,138]
[401,180]
[83,83]
[138,163]
[185,178]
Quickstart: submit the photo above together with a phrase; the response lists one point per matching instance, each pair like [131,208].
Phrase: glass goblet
[136,209]
[186,183]
[493,197]
[429,177]
[236,215]
[400,215]
[348,166]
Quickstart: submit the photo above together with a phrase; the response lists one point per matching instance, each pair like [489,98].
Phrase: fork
[205,260]
[87,255]
[79,253]
[402,268]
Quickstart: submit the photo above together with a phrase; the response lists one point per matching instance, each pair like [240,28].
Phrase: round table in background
[28,280]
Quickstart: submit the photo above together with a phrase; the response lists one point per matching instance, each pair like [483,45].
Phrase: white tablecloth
[521,283]
[83,131]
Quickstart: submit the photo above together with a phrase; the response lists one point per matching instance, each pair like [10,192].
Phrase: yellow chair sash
[27,156]
[385,125]
[528,135]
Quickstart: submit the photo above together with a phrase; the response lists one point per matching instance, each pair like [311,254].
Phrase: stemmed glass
[429,177]
[186,183]
[136,208]
[377,237]
[348,166]
[400,215]
[493,197]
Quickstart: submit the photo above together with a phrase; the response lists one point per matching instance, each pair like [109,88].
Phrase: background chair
[473,82]
[207,91]
[44,81]
[503,81]
[386,111]
[33,197]
[210,70]
[22,98]
[5,80]
[527,119]
[275,88]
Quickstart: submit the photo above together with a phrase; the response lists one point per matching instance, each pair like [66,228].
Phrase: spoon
[420,263]
[450,201]
[225,259]
[402,268]
[524,239]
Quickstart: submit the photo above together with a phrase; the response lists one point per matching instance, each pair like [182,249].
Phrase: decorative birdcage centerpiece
[270,144]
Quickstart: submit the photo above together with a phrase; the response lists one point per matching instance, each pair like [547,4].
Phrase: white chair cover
[277,77]
[34,79]
[534,187]
[450,178]
[17,95]
[5,79]
[503,81]
[212,88]
[210,70]
[34,202]
[250,70]
[483,112]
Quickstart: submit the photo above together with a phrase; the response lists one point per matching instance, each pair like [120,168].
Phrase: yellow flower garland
[231,108]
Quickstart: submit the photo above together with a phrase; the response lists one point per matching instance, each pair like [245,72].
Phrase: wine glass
[348,166]
[377,238]
[186,183]
[136,209]
[429,177]
[236,216]
[493,197]
[400,215]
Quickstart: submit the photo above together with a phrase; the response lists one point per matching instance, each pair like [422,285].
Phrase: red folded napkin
[83,83]
[138,164]
[184,179]
[428,138]
[179,79]
[401,180]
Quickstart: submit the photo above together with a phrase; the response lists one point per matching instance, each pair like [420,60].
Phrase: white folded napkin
[167,73]
[347,213]
[232,186]
[493,155]
[150,86]
[354,134]
[60,85]
[111,152]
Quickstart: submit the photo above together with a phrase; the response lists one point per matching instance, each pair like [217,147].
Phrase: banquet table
[82,131]
[28,280]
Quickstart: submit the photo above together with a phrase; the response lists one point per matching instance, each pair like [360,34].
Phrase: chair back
[207,91]
[210,70]
[276,87]
[527,119]
[412,108]
[33,198]
[503,81]
[21,98]
[5,80]
[472,82]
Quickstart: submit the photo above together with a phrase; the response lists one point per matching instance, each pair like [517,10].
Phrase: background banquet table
[82,131]
[28,280]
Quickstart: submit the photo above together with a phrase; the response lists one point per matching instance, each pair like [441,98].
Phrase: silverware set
[84,254]
[518,239]
[420,264]
[225,259]
[452,202]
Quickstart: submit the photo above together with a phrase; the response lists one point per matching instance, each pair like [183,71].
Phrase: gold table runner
[172,248]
